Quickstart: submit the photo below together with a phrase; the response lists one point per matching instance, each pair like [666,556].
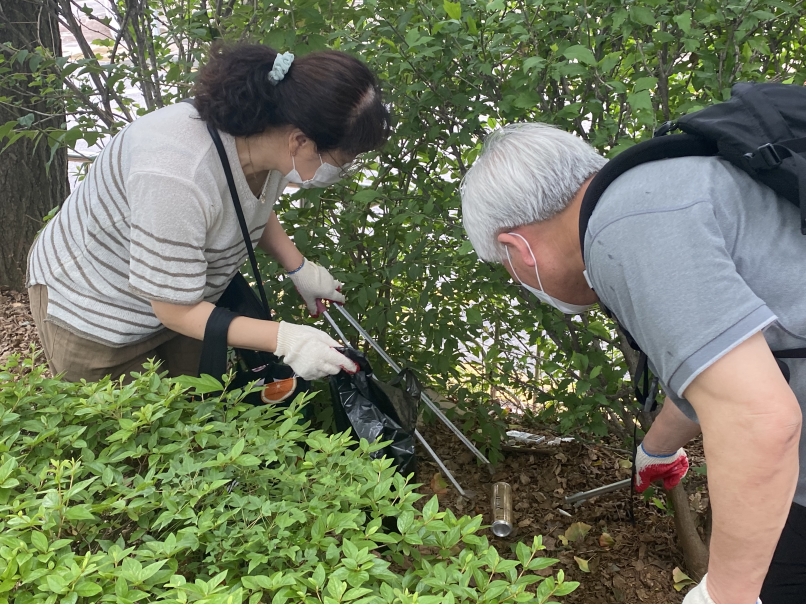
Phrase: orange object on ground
[279,390]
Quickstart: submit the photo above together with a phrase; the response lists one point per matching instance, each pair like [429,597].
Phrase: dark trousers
[786,579]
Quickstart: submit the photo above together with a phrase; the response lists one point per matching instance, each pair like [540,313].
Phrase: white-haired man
[704,267]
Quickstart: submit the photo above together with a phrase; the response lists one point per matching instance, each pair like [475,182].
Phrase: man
[704,267]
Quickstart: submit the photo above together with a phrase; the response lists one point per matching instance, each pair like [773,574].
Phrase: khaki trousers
[77,357]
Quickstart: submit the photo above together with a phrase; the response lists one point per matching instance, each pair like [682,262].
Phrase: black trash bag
[373,409]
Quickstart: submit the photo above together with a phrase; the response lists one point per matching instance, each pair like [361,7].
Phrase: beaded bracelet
[298,268]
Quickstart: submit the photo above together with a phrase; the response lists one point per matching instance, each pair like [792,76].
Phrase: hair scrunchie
[282,63]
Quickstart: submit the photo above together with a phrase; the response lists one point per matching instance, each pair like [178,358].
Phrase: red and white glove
[315,284]
[650,468]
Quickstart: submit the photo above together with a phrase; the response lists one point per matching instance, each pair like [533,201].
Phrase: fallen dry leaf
[438,485]
[583,564]
[606,540]
[577,531]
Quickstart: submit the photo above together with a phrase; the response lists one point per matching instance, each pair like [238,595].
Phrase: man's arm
[751,424]
[670,431]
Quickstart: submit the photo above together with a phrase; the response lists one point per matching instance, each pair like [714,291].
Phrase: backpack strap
[772,155]
[661,148]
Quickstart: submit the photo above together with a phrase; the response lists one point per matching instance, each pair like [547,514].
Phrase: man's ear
[518,248]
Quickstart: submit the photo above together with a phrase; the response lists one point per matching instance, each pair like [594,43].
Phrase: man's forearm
[752,472]
[671,430]
[751,428]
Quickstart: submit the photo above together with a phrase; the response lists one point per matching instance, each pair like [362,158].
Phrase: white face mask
[541,294]
[325,175]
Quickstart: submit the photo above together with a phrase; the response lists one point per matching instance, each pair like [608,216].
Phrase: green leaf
[39,541]
[80,512]
[318,576]
[580,53]
[202,385]
[683,21]
[523,553]
[643,15]
[366,195]
[430,509]
[454,9]
[56,583]
[7,468]
[88,589]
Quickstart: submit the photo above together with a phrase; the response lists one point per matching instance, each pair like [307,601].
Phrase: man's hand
[651,467]
[314,284]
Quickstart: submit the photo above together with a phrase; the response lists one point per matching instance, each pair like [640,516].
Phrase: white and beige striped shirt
[152,220]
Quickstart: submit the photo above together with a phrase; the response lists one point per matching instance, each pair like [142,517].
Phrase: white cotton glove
[315,284]
[310,352]
[699,594]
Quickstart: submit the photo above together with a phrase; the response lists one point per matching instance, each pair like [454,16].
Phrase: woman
[131,266]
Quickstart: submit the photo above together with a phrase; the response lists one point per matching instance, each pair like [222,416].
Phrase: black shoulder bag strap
[213,358]
[236,201]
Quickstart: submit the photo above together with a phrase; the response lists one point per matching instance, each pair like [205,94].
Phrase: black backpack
[761,129]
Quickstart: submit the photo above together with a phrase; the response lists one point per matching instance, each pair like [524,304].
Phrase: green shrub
[142,492]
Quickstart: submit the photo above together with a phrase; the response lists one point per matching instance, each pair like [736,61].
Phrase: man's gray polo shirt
[693,256]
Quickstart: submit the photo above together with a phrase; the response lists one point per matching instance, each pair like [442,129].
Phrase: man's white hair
[526,173]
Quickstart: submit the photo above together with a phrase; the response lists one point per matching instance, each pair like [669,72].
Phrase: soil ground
[627,563]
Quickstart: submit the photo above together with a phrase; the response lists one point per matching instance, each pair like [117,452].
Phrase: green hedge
[155,491]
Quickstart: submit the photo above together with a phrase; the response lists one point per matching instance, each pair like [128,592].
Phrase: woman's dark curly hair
[330,96]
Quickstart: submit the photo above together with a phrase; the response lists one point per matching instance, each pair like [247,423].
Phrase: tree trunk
[695,552]
[28,189]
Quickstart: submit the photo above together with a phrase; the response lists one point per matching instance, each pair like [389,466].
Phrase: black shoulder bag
[239,299]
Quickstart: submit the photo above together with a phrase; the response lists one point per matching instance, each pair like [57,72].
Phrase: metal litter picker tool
[605,489]
[427,400]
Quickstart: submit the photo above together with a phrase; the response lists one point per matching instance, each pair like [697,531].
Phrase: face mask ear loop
[511,266]
[539,283]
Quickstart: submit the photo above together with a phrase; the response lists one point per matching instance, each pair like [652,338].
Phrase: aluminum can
[502,509]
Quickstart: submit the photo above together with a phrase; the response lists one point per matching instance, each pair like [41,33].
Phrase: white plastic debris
[527,438]
[559,440]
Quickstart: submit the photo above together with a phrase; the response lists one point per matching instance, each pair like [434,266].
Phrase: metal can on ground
[502,509]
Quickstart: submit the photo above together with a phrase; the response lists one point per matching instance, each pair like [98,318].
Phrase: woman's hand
[310,352]
[315,284]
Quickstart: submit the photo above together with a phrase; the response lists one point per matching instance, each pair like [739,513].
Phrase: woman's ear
[519,250]
[296,140]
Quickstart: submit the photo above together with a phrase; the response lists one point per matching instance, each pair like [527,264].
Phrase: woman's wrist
[255,334]
[298,268]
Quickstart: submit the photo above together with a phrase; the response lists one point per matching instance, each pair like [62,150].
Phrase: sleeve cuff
[720,346]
